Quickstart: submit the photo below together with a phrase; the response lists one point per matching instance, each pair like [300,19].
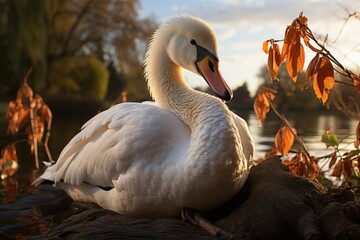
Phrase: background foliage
[55,37]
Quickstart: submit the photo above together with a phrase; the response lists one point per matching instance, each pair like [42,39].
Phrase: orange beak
[208,68]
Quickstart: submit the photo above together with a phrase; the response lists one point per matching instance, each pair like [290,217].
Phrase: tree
[42,34]
[108,29]
[85,76]
[23,41]
[241,100]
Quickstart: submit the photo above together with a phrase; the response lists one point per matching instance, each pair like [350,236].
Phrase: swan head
[190,43]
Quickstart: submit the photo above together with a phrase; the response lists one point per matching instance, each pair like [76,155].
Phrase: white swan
[153,159]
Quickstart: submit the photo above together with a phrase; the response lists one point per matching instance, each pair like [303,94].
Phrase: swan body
[151,159]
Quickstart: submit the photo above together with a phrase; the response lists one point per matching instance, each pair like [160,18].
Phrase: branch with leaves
[30,113]
[320,73]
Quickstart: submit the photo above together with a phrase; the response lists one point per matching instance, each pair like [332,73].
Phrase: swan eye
[211,66]
[193,42]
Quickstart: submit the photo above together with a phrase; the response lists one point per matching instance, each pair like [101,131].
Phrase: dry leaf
[262,104]
[17,116]
[347,166]
[265,46]
[312,167]
[25,91]
[323,79]
[272,153]
[8,161]
[313,67]
[333,160]
[337,170]
[284,140]
[295,165]
[295,58]
[357,84]
[302,19]
[357,142]
[270,64]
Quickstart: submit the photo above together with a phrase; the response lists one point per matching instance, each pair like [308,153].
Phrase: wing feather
[118,138]
[247,141]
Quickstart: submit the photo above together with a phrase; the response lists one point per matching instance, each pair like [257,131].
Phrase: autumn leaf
[262,104]
[25,92]
[302,19]
[43,111]
[347,166]
[288,40]
[274,61]
[295,59]
[284,139]
[333,159]
[274,151]
[337,170]
[8,161]
[17,116]
[323,79]
[312,167]
[265,46]
[313,67]
[295,165]
[357,83]
[357,142]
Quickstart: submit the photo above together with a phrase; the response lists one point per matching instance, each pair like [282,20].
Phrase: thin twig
[282,117]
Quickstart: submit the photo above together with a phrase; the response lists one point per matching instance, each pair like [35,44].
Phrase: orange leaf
[311,166]
[295,165]
[8,162]
[25,91]
[357,142]
[274,61]
[333,160]
[17,116]
[265,46]
[270,64]
[357,84]
[277,57]
[323,79]
[43,111]
[261,107]
[313,67]
[337,170]
[295,58]
[302,19]
[269,92]
[284,140]
[262,104]
[272,153]
[347,164]
[288,39]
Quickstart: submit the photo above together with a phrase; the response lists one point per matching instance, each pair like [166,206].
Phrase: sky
[242,25]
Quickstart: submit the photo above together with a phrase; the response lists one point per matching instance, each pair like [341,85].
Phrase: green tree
[46,34]
[108,29]
[85,76]
[23,42]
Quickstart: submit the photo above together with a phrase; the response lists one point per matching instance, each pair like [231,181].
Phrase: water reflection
[309,126]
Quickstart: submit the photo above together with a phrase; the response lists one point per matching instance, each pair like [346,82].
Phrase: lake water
[310,126]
